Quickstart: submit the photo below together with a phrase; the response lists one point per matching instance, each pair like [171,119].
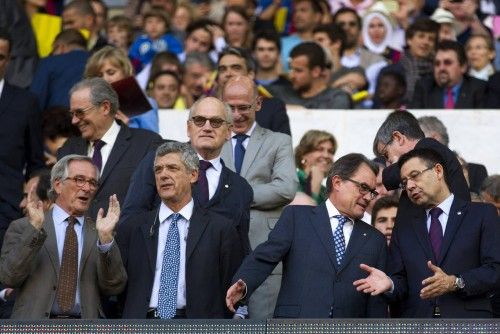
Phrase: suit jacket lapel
[119,148]
[227,154]
[50,243]
[5,98]
[89,234]
[197,225]
[420,227]
[254,145]
[321,223]
[455,219]
[152,224]
[356,242]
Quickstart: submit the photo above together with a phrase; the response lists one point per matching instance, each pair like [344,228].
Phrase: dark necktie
[239,151]
[169,277]
[436,231]
[339,239]
[68,272]
[203,181]
[97,156]
[450,103]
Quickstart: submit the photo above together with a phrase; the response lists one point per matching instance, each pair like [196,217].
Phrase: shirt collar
[59,216]
[444,205]
[2,84]
[249,132]
[165,211]
[111,134]
[332,210]
[216,164]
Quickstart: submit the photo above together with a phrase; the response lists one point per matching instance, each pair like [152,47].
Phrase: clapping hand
[105,225]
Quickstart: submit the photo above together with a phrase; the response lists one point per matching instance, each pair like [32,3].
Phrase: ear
[336,182]
[188,128]
[439,171]
[193,177]
[316,72]
[399,138]
[58,184]
[228,133]
[258,103]
[251,75]
[106,107]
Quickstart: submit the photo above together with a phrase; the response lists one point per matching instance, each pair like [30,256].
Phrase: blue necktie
[436,231]
[204,194]
[167,296]
[338,238]
[239,151]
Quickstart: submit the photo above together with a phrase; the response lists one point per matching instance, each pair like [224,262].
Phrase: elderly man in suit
[115,149]
[62,261]
[218,188]
[180,257]
[445,260]
[451,87]
[21,151]
[322,248]
[265,159]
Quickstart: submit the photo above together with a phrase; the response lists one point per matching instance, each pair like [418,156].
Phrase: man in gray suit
[61,261]
[265,159]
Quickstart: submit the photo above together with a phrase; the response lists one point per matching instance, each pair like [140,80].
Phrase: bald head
[241,94]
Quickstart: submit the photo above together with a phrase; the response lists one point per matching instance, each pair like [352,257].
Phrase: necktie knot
[174,217]
[204,165]
[240,138]
[98,144]
[342,219]
[435,212]
[72,221]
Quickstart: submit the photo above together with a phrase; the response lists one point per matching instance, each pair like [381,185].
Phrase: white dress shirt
[183,225]
[334,222]
[213,175]
[109,138]
[245,142]
[443,217]
[2,82]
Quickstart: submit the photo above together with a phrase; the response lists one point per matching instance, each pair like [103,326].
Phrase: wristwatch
[459,283]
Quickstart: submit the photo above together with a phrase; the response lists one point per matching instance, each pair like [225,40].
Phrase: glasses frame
[364,188]
[404,183]
[80,113]
[247,108]
[210,121]
[81,181]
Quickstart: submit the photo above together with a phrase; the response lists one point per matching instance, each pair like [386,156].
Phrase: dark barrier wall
[340,326]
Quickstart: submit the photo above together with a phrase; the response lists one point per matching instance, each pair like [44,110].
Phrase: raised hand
[375,283]
[438,284]
[34,209]
[106,225]
[235,293]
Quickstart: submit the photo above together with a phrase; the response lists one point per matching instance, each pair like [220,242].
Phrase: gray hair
[346,166]
[195,58]
[430,124]
[188,155]
[60,170]
[227,109]
[100,91]
[402,121]
[491,185]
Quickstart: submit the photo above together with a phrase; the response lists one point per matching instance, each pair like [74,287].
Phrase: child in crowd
[155,39]
[390,90]
[119,30]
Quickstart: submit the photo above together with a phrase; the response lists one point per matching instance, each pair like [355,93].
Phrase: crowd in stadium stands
[101,217]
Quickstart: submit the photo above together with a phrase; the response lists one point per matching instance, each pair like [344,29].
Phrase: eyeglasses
[446,62]
[80,182]
[383,152]
[414,176]
[241,108]
[364,188]
[200,121]
[79,113]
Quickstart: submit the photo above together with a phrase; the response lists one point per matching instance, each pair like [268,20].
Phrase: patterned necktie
[450,103]
[239,151]
[436,231]
[338,238]
[97,156]
[204,194]
[68,272]
[167,296]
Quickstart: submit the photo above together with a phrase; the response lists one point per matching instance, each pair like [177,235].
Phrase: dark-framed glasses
[79,113]
[364,188]
[215,122]
[414,176]
[81,181]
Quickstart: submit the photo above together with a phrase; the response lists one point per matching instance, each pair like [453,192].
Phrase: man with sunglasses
[115,148]
[445,260]
[321,249]
[61,261]
[450,87]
